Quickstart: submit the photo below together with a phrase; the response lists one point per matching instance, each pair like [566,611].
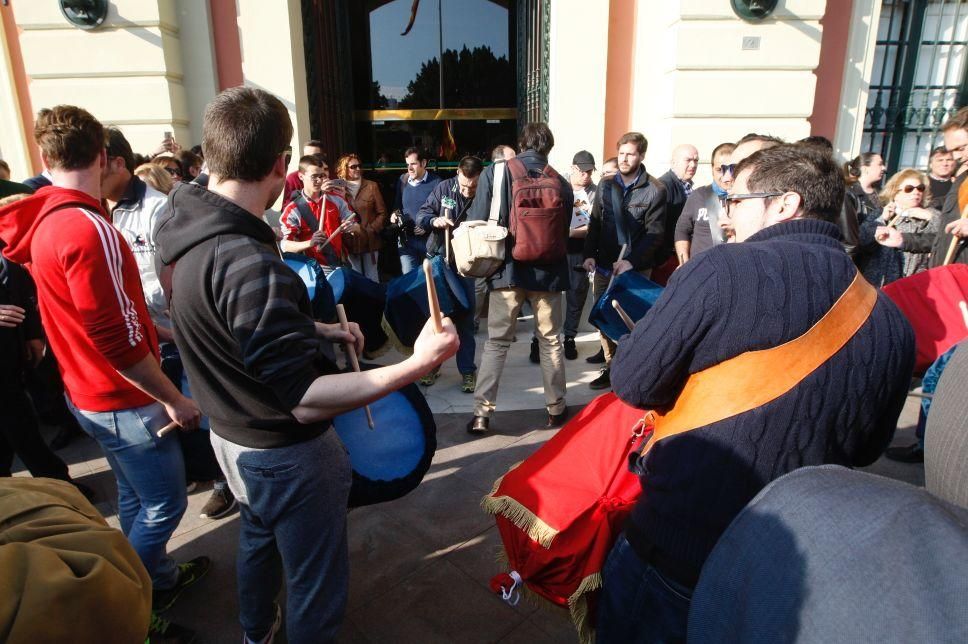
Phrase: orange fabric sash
[754,378]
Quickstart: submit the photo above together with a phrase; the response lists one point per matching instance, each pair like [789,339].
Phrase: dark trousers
[638,604]
[20,433]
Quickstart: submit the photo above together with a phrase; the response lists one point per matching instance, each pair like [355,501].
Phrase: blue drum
[363,300]
[391,459]
[320,292]
[635,293]
[407,309]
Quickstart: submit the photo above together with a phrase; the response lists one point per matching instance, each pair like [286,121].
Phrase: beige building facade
[680,71]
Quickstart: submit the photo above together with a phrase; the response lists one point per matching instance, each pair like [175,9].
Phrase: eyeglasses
[731,200]
[909,188]
[355,166]
[727,167]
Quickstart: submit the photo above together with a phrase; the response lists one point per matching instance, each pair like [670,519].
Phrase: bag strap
[496,193]
[738,385]
[306,212]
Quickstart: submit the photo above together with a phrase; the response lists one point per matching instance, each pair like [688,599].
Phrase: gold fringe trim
[536,529]
[376,353]
[578,607]
[394,340]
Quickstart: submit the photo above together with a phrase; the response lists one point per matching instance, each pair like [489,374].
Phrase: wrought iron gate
[919,78]
[534,55]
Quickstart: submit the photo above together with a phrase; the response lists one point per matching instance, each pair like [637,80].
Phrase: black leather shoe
[556,420]
[478,425]
[534,357]
[571,351]
[909,454]
[598,358]
[603,381]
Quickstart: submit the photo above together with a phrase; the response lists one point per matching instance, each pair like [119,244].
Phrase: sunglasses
[909,188]
[172,171]
[355,166]
[727,167]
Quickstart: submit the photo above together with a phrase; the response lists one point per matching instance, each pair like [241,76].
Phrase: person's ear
[790,204]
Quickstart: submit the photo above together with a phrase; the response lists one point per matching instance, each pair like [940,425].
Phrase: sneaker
[598,358]
[603,381]
[161,631]
[188,574]
[571,351]
[220,503]
[534,357]
[271,635]
[469,383]
[430,378]
[909,454]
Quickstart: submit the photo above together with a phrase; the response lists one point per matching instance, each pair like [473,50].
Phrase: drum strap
[755,378]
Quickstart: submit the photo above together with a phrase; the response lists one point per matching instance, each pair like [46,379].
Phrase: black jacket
[17,288]
[532,277]
[641,222]
[942,242]
[675,201]
[242,319]
[880,264]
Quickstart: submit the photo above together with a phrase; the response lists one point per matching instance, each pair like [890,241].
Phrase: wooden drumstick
[432,296]
[351,355]
[338,230]
[622,314]
[621,255]
[167,428]
[952,249]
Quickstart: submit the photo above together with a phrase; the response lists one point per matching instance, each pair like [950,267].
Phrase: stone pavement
[420,566]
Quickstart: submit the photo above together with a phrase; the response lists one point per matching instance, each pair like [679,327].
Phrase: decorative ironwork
[534,59]
[920,78]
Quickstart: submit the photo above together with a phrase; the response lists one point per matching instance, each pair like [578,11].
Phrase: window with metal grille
[919,78]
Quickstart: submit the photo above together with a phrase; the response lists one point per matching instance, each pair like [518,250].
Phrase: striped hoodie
[89,292]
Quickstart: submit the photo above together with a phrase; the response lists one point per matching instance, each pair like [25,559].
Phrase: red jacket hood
[19,220]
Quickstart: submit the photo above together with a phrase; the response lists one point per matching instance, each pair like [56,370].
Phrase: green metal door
[919,78]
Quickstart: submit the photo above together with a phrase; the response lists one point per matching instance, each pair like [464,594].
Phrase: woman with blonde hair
[155,176]
[908,225]
[366,201]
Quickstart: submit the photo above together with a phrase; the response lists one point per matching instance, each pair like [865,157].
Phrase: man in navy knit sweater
[735,298]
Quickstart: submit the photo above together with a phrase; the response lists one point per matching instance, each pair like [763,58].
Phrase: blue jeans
[638,603]
[292,503]
[151,480]
[465,331]
[412,253]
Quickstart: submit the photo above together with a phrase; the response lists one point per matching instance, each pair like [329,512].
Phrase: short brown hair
[957,121]
[69,137]
[803,169]
[536,136]
[641,143]
[244,132]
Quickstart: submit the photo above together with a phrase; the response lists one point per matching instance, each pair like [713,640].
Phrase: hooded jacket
[89,293]
[242,320]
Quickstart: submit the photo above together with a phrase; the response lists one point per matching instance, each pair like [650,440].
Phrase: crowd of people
[158,282]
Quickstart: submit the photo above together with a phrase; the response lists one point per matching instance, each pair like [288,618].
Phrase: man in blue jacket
[785,276]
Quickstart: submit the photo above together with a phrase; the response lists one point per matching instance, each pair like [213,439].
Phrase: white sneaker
[270,636]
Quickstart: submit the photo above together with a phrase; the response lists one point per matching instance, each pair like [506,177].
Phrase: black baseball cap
[584,160]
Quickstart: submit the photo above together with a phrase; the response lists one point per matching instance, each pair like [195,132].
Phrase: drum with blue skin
[407,308]
[363,300]
[391,459]
[320,292]
[636,295]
